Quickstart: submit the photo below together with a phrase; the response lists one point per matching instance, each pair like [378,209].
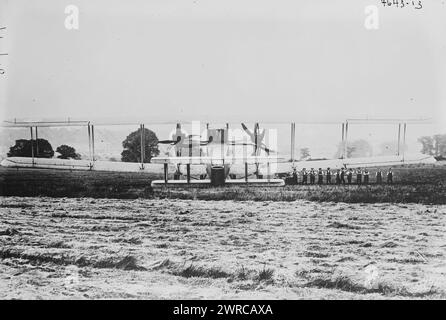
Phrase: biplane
[216,155]
[214,158]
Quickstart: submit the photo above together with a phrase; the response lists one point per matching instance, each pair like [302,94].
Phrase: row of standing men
[341,176]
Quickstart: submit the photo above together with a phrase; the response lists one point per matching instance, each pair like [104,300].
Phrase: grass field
[59,238]
[413,184]
[64,183]
[151,248]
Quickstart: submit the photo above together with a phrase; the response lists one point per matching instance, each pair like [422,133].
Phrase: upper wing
[215,160]
[379,161]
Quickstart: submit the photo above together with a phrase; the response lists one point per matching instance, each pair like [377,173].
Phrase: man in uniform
[349,176]
[304,176]
[328,173]
[312,176]
[366,176]
[320,176]
[343,175]
[294,176]
[338,176]
[390,176]
[379,176]
[358,176]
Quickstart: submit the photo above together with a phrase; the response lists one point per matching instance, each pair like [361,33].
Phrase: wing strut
[32,145]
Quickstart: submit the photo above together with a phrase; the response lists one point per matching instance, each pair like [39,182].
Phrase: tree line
[434,145]
[41,148]
[431,145]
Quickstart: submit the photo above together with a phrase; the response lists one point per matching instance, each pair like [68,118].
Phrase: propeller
[257,142]
[205,143]
[172,142]
[261,146]
[255,134]
[257,138]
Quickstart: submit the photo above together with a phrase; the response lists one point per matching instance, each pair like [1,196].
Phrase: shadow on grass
[344,283]
[128,262]
[196,271]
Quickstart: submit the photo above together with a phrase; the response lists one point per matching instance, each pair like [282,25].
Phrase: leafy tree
[355,149]
[132,146]
[440,144]
[24,148]
[304,153]
[350,151]
[434,146]
[67,152]
[427,145]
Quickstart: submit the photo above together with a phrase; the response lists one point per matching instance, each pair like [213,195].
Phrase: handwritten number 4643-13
[416,4]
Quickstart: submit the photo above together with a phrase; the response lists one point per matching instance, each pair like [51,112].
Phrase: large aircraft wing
[278,165]
[80,165]
[216,160]
[367,162]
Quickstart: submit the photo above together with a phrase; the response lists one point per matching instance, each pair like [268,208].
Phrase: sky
[223,61]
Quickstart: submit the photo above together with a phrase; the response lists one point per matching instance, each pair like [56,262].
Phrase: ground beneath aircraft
[158,248]
[413,184]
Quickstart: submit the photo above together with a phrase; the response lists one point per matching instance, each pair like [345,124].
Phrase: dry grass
[58,244]
[200,271]
[413,184]
[133,240]
[429,194]
[9,232]
[344,283]
[126,263]
[60,258]
[64,183]
[242,273]
[266,275]
[232,249]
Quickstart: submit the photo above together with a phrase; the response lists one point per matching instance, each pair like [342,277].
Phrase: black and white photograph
[210,150]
